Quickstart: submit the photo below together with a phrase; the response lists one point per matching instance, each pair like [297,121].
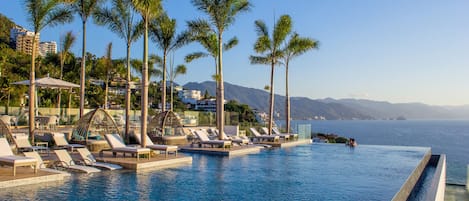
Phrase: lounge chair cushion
[17,159]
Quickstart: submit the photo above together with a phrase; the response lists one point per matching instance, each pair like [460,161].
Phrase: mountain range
[333,109]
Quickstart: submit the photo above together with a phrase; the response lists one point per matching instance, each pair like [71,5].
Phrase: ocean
[450,137]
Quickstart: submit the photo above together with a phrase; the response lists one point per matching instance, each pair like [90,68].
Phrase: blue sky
[389,50]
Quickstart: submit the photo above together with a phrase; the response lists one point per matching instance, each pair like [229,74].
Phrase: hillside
[332,109]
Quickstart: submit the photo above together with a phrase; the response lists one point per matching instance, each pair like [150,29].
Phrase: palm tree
[271,51]
[108,68]
[120,20]
[163,33]
[173,73]
[84,8]
[148,9]
[42,13]
[65,44]
[209,41]
[295,47]
[222,14]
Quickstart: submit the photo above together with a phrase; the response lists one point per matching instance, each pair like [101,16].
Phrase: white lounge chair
[89,159]
[234,139]
[286,137]
[8,158]
[22,144]
[117,145]
[40,163]
[203,137]
[158,147]
[65,160]
[61,142]
[260,137]
[293,136]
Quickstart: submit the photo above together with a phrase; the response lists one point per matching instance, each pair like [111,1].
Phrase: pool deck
[233,151]
[156,161]
[285,144]
[26,176]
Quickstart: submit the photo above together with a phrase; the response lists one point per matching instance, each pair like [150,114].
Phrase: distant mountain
[332,109]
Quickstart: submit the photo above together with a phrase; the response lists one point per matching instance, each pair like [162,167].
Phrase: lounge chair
[260,137]
[292,135]
[8,158]
[158,147]
[234,139]
[203,137]
[117,145]
[286,137]
[61,142]
[22,144]
[89,160]
[65,160]
[44,166]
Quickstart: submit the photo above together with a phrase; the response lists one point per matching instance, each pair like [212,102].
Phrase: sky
[399,51]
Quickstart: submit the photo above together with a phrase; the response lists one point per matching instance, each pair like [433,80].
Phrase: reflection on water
[311,172]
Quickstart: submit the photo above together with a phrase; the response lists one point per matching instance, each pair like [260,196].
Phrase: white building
[207,105]
[23,39]
[190,96]
[47,47]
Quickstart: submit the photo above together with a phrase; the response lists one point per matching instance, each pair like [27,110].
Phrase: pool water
[310,172]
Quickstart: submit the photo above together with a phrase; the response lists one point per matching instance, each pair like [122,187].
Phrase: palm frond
[259,60]
[281,30]
[230,44]
[196,55]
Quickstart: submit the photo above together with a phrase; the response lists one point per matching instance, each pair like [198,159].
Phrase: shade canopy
[48,82]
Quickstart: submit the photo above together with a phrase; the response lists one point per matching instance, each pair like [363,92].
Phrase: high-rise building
[23,39]
[47,47]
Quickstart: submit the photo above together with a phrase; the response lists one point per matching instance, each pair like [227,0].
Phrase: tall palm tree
[271,52]
[42,13]
[66,44]
[120,20]
[173,73]
[209,41]
[221,14]
[295,47]
[108,68]
[163,33]
[148,9]
[137,64]
[84,8]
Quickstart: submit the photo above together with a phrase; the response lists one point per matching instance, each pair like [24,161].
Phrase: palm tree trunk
[171,95]
[127,96]
[106,90]
[144,108]
[32,89]
[82,73]
[163,86]
[59,96]
[287,100]
[220,95]
[271,110]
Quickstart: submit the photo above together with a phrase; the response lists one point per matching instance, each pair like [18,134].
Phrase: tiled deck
[25,176]
[233,151]
[156,161]
[284,144]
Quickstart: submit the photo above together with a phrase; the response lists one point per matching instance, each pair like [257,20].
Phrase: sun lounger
[118,146]
[158,147]
[61,142]
[8,158]
[286,137]
[234,139]
[292,135]
[65,160]
[22,144]
[89,160]
[260,137]
[203,137]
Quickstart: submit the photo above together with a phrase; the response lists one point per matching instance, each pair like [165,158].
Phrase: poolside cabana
[93,126]
[167,128]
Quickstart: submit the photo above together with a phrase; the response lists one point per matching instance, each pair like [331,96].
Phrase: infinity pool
[310,172]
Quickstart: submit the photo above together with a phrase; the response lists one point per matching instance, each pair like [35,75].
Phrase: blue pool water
[450,137]
[310,172]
